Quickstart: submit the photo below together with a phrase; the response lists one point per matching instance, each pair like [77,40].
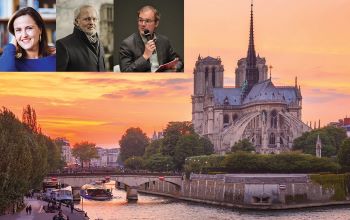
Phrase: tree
[29,119]
[172,134]
[331,139]
[39,155]
[15,159]
[187,145]
[243,145]
[153,148]
[344,155]
[85,151]
[159,162]
[207,146]
[133,143]
[134,163]
[291,162]
[24,155]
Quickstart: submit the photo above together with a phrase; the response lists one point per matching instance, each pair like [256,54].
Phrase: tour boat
[63,195]
[96,192]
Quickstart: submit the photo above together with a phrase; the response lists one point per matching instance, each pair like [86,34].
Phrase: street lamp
[206,166]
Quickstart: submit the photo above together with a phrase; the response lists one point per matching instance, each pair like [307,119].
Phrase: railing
[140,173]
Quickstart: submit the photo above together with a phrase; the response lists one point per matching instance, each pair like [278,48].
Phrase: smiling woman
[29,50]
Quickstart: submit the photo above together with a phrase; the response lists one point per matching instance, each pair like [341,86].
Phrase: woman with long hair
[29,50]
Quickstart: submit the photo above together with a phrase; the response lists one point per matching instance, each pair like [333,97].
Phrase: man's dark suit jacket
[75,53]
[132,48]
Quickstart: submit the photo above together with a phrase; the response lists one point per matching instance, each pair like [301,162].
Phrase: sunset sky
[307,39]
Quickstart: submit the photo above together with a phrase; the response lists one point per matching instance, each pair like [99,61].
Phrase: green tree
[243,145]
[279,163]
[153,148]
[85,151]
[15,159]
[134,163]
[172,134]
[39,155]
[54,159]
[344,155]
[133,143]
[206,145]
[187,145]
[159,162]
[331,138]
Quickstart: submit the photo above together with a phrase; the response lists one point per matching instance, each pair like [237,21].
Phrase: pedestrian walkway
[38,212]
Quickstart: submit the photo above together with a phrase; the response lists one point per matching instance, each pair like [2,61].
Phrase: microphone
[147,35]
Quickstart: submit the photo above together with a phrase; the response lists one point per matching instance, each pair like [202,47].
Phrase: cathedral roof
[230,96]
[264,91]
[267,91]
[289,94]
[261,92]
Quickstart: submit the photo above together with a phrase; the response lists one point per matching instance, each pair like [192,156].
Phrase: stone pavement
[38,212]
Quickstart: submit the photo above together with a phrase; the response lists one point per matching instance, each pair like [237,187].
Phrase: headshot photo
[149,36]
[27,45]
[84,36]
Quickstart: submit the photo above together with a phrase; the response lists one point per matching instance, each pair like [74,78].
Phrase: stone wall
[259,191]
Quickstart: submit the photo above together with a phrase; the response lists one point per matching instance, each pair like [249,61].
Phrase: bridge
[131,181]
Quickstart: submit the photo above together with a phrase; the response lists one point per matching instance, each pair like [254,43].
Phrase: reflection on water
[154,207]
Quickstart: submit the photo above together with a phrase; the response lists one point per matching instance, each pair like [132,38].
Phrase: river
[155,207]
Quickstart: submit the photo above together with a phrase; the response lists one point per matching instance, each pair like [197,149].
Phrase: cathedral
[268,116]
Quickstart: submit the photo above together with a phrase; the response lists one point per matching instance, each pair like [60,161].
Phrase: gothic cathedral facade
[268,116]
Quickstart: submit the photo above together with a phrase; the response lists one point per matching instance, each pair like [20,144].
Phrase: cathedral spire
[251,57]
[252,72]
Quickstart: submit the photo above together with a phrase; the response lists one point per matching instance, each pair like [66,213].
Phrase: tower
[252,72]
[208,74]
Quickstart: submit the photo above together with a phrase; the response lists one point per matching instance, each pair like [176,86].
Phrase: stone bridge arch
[133,182]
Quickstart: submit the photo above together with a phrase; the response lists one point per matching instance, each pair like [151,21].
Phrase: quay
[258,191]
[38,212]
[247,191]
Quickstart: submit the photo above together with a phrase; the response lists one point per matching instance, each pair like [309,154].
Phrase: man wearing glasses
[82,50]
[146,50]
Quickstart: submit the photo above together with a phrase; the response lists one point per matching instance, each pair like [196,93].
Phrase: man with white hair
[82,50]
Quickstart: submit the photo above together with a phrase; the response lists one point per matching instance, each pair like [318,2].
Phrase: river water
[155,207]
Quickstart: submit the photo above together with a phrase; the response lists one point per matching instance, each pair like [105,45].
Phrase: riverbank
[38,212]
[230,205]
[258,191]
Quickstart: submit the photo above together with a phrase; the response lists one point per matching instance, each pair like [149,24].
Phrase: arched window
[272,138]
[226,119]
[264,116]
[259,139]
[234,117]
[213,77]
[274,119]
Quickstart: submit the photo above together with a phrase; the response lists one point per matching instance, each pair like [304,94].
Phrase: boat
[63,195]
[49,186]
[96,192]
